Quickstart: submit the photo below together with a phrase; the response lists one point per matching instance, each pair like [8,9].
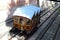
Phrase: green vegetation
[59,10]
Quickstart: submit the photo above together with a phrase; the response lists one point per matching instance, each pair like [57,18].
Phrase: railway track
[42,29]
[47,26]
[44,14]
[57,34]
[52,31]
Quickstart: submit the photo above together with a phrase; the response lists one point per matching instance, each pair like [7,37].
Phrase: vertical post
[38,3]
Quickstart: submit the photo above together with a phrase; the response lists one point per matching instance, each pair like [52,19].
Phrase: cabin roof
[27,11]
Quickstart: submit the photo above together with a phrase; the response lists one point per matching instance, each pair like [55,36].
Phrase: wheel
[12,30]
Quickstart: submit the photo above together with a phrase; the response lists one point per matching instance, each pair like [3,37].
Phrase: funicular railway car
[26,18]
